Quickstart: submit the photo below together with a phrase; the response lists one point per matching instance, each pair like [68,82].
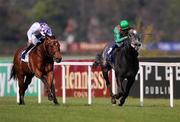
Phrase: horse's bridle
[134,39]
[52,54]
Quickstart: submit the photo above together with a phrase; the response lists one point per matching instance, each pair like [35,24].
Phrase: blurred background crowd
[85,26]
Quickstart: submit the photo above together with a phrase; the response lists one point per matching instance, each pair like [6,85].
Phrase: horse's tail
[13,73]
[97,61]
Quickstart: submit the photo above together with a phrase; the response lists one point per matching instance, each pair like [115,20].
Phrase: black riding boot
[27,49]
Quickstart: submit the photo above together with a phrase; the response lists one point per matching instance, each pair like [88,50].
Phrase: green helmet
[124,24]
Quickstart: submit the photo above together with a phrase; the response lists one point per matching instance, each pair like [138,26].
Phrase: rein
[44,49]
[45,46]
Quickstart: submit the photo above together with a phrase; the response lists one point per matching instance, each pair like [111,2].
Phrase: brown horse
[41,64]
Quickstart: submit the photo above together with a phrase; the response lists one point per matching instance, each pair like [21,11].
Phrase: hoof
[50,98]
[21,103]
[122,102]
[119,95]
[113,101]
[56,102]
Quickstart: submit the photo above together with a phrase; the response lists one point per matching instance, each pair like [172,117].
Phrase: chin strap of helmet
[119,28]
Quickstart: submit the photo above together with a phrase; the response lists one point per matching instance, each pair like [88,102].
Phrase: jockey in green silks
[121,31]
[120,34]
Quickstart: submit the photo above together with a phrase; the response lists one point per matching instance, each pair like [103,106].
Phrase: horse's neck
[130,52]
[41,51]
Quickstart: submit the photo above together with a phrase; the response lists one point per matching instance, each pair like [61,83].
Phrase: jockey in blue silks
[36,34]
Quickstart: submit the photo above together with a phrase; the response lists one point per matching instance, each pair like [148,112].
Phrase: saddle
[109,52]
[26,59]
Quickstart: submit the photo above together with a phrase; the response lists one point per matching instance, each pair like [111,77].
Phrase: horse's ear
[53,37]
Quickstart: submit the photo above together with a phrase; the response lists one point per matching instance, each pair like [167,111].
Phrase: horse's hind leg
[105,75]
[128,87]
[27,82]
[97,60]
[21,89]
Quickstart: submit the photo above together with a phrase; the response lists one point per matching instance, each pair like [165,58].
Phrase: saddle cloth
[108,53]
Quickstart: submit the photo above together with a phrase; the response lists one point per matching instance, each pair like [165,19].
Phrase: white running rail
[170,65]
[63,64]
[89,64]
[141,64]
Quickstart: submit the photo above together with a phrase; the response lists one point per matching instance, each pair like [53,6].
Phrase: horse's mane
[125,45]
[46,38]
[127,49]
[51,37]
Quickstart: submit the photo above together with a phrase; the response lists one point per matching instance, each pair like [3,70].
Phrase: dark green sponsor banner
[9,87]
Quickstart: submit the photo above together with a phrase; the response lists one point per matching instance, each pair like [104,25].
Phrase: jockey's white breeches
[35,40]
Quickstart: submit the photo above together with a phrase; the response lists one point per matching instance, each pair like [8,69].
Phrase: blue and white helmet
[45,29]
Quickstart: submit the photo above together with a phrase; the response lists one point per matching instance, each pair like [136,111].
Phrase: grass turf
[77,110]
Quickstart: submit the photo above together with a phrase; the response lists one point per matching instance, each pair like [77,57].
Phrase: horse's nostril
[138,44]
[59,60]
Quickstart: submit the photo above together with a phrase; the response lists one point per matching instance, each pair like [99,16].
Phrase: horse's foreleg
[53,91]
[128,87]
[50,95]
[120,86]
[50,77]
[105,75]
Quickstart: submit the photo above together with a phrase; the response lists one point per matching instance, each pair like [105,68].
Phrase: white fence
[63,64]
[170,65]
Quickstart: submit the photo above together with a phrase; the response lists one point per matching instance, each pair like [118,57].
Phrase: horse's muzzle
[58,60]
[136,46]
[57,57]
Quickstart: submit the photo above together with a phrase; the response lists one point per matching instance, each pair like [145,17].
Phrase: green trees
[162,15]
